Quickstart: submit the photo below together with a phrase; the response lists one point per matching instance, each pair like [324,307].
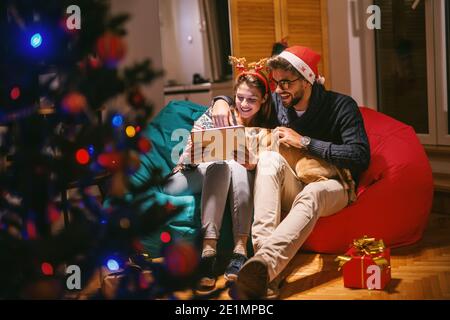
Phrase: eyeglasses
[284,84]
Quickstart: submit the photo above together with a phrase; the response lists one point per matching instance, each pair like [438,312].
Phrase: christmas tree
[59,69]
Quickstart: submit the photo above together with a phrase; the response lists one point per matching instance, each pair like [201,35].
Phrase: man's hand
[288,137]
[221,113]
[177,168]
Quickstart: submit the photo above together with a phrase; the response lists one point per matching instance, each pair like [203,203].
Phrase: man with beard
[327,124]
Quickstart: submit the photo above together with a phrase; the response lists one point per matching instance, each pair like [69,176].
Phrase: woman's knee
[218,167]
[238,171]
[218,171]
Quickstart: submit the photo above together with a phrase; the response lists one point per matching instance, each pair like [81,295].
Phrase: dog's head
[259,136]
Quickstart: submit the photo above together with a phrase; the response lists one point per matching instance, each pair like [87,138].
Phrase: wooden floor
[420,271]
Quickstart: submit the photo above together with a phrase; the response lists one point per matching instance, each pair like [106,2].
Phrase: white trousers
[278,238]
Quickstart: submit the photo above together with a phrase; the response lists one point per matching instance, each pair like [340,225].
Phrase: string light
[36,40]
[130,131]
[47,269]
[112,265]
[117,120]
[82,156]
[91,150]
[165,237]
[15,93]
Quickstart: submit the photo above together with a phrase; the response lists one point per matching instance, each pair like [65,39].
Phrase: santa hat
[305,61]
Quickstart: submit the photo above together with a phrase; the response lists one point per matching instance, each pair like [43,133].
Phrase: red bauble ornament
[74,103]
[181,259]
[110,160]
[144,145]
[111,49]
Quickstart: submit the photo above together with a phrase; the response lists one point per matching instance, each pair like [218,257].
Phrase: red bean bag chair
[395,194]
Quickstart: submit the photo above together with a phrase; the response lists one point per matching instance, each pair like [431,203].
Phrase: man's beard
[295,100]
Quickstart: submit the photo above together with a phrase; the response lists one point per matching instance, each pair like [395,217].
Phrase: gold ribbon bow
[366,246]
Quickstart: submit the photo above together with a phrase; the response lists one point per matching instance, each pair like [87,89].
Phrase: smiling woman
[249,102]
[226,181]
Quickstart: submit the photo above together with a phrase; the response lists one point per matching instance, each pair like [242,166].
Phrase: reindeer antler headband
[255,69]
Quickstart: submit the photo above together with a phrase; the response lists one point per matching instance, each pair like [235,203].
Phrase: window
[412,62]
[402,63]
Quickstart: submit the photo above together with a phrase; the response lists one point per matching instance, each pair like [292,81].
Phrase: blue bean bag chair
[177,115]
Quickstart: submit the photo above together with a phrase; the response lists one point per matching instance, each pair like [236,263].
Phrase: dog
[306,166]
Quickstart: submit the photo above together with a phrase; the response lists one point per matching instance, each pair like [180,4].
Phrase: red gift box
[366,264]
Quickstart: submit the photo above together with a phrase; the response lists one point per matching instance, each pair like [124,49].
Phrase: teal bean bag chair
[176,116]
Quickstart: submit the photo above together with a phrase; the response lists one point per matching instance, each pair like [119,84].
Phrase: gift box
[366,264]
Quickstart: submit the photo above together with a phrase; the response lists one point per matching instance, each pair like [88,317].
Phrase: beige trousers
[277,189]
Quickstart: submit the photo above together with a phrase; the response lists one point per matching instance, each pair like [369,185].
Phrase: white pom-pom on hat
[320,80]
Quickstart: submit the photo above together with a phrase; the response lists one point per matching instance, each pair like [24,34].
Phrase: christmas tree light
[36,40]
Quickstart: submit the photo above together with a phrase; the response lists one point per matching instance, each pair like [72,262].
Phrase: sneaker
[207,269]
[236,263]
[252,281]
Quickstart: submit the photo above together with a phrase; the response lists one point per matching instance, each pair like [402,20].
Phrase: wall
[143,41]
[351,44]
[182,40]
[352,51]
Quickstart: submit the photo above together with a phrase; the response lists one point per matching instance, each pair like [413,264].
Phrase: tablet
[218,144]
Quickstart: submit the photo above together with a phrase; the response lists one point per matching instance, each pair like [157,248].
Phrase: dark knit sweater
[335,125]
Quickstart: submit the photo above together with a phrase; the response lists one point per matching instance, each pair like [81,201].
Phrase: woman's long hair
[266,116]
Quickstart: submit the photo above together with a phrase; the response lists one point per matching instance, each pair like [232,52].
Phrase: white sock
[209,247]
[240,245]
